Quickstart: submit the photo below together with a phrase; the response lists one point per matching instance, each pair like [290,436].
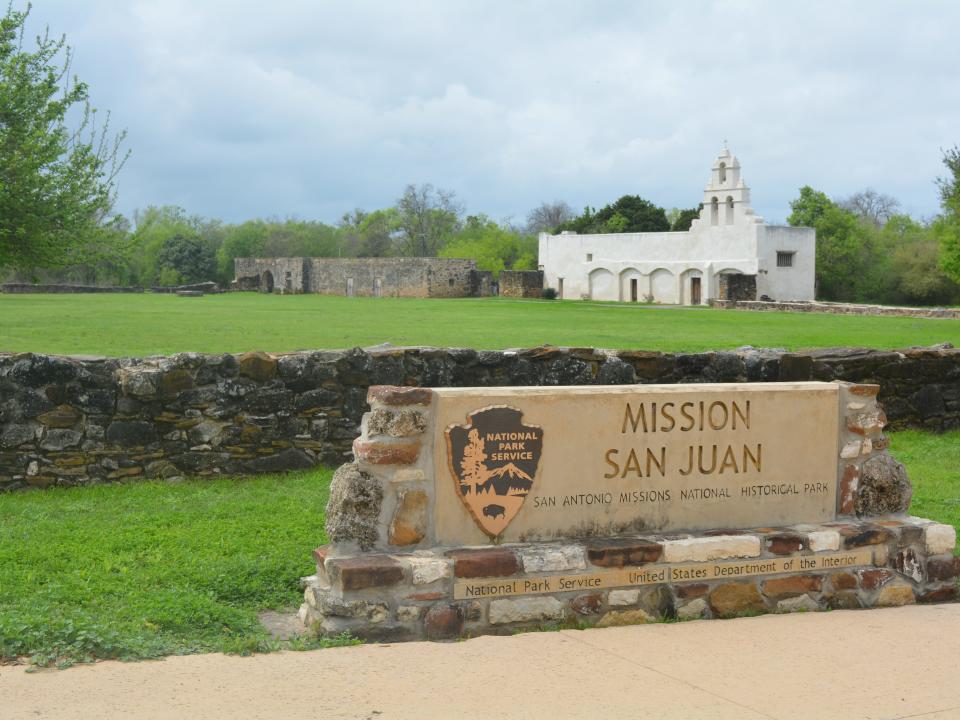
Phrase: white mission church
[728,253]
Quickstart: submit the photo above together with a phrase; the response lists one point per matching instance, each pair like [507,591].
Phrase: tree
[474,472]
[947,226]
[186,258]
[684,219]
[56,183]
[547,216]
[426,219]
[630,213]
[844,244]
[494,247]
[869,205]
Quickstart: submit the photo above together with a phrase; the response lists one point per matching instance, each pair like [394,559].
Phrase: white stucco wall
[786,283]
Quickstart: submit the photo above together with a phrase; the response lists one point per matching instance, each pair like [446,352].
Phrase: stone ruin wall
[737,287]
[521,283]
[72,421]
[834,308]
[399,277]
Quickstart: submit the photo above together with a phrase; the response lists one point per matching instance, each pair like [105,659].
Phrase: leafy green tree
[248,239]
[844,244]
[947,226]
[684,219]
[56,181]
[427,219]
[186,258]
[495,248]
[631,213]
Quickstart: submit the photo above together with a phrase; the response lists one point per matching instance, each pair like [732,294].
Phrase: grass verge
[120,325]
[149,569]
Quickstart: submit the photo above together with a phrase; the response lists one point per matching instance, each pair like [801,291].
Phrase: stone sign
[471,511]
[612,460]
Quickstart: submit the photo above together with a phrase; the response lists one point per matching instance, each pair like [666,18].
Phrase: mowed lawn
[125,325]
[149,569]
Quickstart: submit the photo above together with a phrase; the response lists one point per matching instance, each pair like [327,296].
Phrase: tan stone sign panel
[585,461]
[656,574]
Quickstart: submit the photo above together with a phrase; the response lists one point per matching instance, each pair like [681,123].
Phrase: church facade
[729,253]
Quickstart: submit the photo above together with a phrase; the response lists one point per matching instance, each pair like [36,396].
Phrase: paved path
[897,663]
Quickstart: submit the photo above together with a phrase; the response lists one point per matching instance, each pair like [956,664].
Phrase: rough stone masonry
[78,420]
[407,561]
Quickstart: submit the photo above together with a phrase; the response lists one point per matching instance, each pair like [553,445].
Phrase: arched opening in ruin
[266,282]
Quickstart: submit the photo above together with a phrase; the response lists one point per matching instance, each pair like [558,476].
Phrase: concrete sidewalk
[896,663]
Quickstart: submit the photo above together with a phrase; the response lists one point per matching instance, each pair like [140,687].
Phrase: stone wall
[67,421]
[521,283]
[836,308]
[27,288]
[737,287]
[363,277]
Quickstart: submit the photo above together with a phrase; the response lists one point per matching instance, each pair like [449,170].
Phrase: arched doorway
[266,282]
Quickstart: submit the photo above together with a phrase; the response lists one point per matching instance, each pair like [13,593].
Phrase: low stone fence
[76,420]
[204,288]
[837,308]
[26,288]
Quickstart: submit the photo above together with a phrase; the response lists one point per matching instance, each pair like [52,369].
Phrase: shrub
[549,293]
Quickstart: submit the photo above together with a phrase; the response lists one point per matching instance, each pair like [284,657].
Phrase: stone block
[407,475]
[618,618]
[396,423]
[361,572]
[785,544]
[139,381]
[884,488]
[379,452]
[618,598]
[353,509]
[553,559]
[443,622]
[692,610]
[692,590]
[487,562]
[791,586]
[939,539]
[843,600]
[425,570]
[823,540]
[621,553]
[257,365]
[895,596]
[131,433]
[63,416]
[874,578]
[735,599]
[849,482]
[867,423]
[394,395]
[701,549]
[850,450]
[529,609]
[943,569]
[589,604]
[408,613]
[944,594]
[800,603]
[862,536]
[844,581]
[409,524]
[909,564]
[174,382]
[59,439]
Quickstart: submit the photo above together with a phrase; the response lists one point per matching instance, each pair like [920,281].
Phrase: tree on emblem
[472,466]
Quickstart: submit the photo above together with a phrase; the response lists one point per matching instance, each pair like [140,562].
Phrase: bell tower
[726,199]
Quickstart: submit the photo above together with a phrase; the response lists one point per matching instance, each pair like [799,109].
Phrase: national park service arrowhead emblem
[493,459]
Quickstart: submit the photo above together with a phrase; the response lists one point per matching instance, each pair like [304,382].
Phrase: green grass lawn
[148,569]
[120,325]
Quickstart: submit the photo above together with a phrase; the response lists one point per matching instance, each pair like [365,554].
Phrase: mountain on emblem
[493,459]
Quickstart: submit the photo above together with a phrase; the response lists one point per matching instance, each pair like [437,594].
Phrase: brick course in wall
[77,420]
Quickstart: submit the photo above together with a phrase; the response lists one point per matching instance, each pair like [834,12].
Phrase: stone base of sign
[445,593]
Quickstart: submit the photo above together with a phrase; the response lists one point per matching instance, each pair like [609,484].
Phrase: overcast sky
[302,108]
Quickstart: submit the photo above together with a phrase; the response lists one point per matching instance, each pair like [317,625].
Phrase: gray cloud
[240,109]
